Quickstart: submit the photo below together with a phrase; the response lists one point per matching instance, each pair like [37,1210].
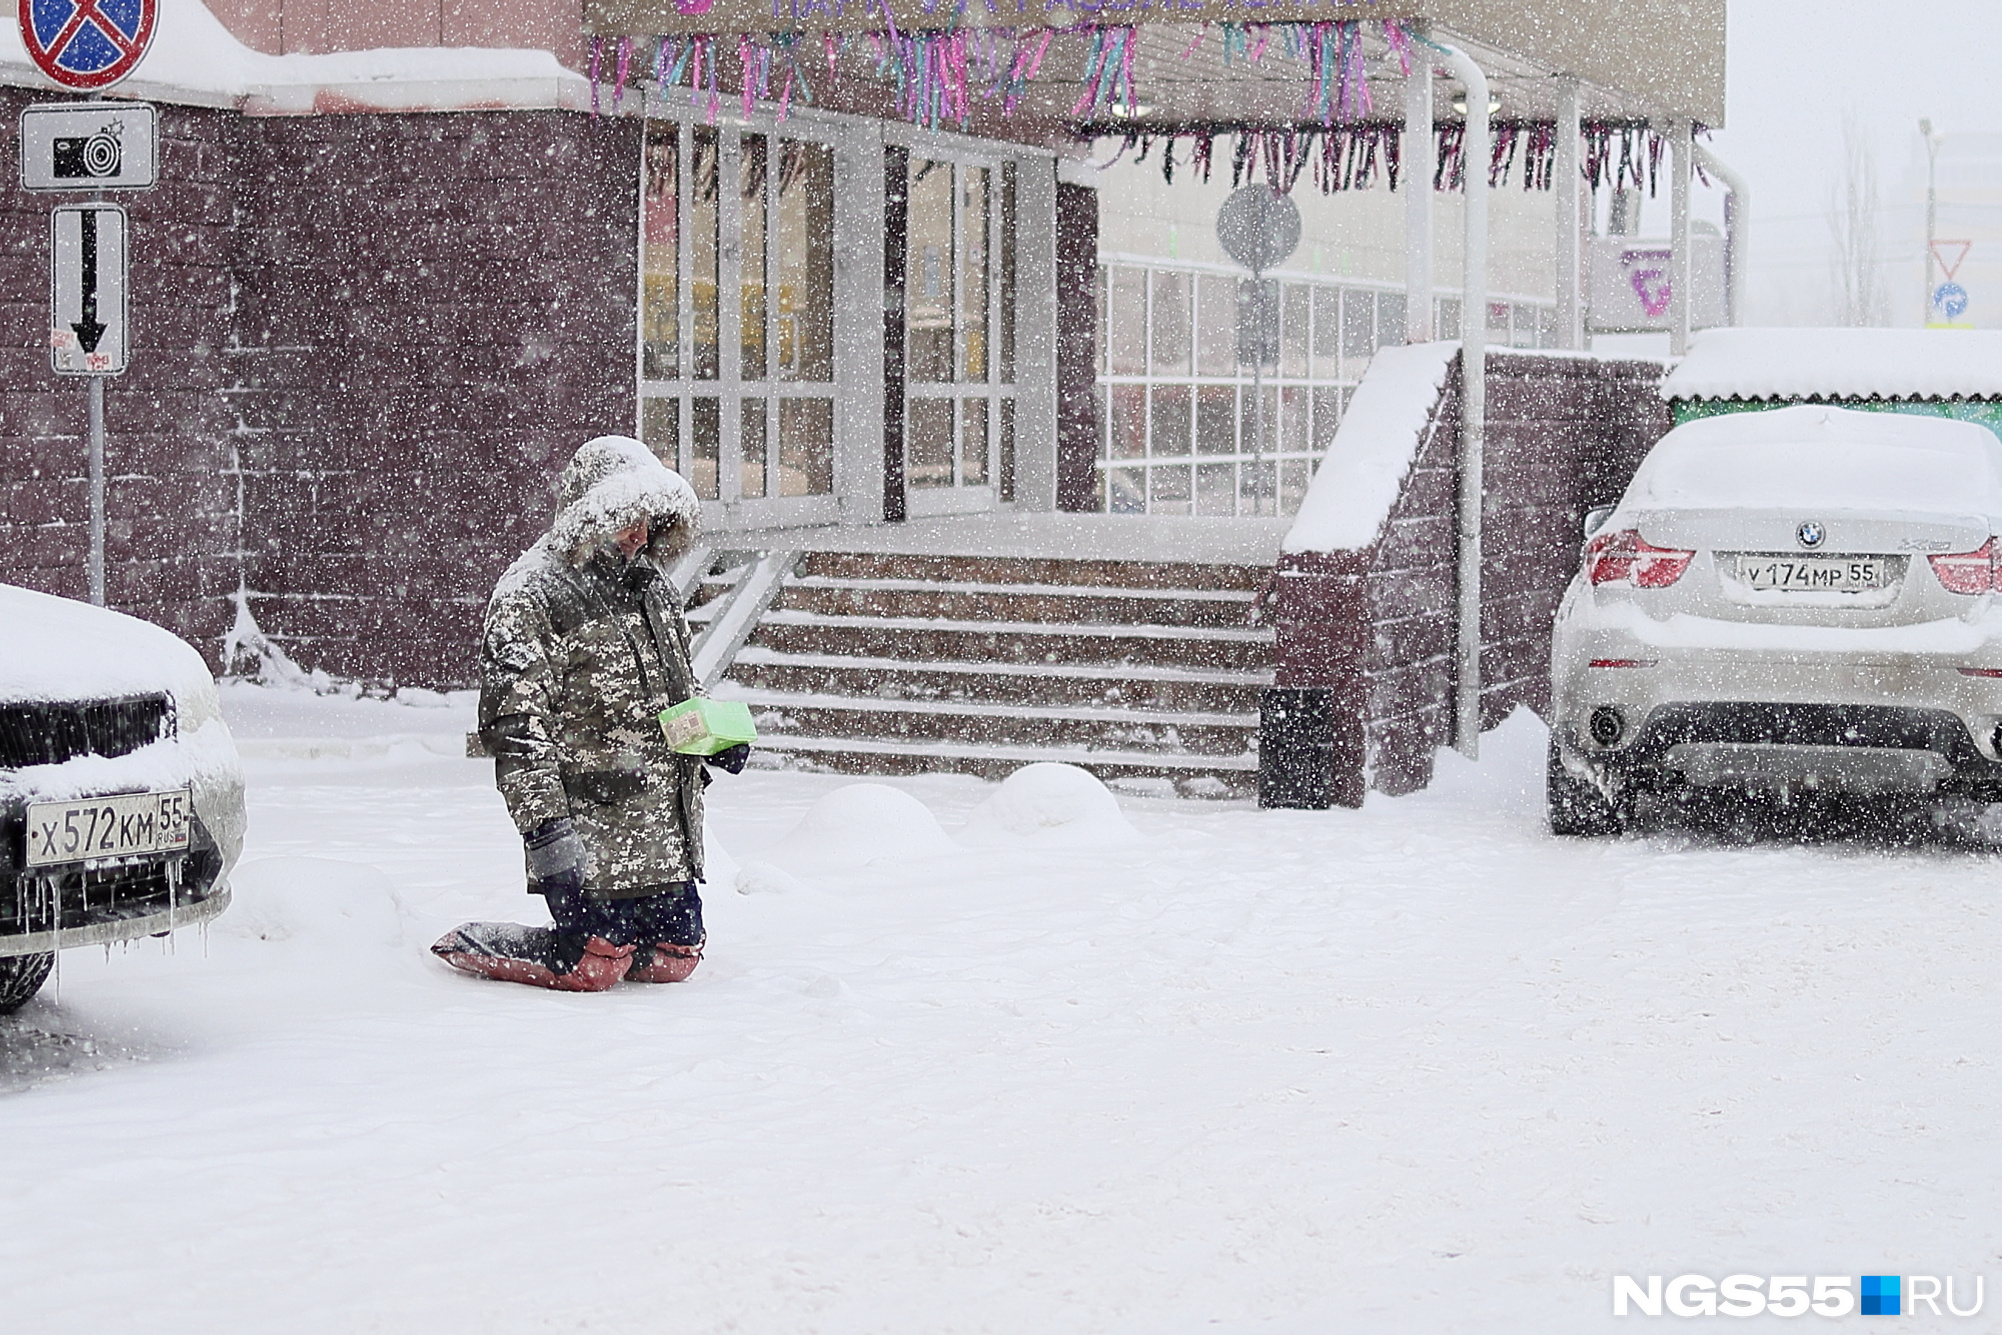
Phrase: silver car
[121,795]
[1798,600]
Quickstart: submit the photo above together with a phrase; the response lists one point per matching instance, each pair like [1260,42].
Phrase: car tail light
[1967,572]
[1611,558]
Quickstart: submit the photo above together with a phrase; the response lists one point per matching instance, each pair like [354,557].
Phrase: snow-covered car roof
[60,649]
[1839,364]
[1827,458]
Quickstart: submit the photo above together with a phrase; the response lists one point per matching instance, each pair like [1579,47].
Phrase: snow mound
[1057,806]
[860,824]
[762,878]
[321,900]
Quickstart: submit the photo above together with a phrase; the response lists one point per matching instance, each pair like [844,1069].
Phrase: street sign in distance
[87,44]
[88,330]
[89,146]
[1950,300]
[1258,227]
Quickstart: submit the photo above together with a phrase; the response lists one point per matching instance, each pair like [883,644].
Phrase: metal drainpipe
[1737,229]
[1476,152]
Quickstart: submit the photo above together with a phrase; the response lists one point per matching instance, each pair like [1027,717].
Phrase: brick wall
[435,311]
[1375,629]
[363,347]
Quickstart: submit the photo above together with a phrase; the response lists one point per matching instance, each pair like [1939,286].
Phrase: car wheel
[1576,807]
[21,976]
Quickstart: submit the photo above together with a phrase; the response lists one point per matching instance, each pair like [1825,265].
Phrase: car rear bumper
[1857,748]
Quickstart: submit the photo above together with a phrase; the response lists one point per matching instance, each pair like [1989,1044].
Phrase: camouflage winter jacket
[581,652]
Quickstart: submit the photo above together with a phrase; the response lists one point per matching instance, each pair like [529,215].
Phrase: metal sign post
[88,329]
[1259,228]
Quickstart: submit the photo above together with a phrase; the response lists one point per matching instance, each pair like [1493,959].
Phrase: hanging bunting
[937,74]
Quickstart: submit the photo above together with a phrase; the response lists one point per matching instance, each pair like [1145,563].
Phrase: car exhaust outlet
[1608,725]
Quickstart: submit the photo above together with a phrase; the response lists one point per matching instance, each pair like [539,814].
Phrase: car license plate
[91,829]
[1814,574]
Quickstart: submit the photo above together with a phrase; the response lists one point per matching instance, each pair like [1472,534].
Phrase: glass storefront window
[704,250]
[928,297]
[660,246]
[751,268]
[929,443]
[973,221]
[805,258]
[806,447]
[712,416]
[1175,408]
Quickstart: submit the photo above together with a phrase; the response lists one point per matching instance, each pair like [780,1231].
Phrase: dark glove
[732,760]
[558,862]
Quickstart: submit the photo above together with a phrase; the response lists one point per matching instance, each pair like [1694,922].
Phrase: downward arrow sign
[89,333]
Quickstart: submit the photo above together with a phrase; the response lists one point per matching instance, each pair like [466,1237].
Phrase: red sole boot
[533,956]
[667,964]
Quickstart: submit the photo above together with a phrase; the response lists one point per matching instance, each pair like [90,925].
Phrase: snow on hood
[1827,458]
[60,649]
[194,59]
[1839,364]
[612,483]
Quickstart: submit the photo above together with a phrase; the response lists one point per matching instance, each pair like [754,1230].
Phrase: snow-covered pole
[1418,154]
[1680,307]
[1737,229]
[1569,184]
[1475,153]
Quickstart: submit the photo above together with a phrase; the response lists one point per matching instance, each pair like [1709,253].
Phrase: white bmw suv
[1801,599]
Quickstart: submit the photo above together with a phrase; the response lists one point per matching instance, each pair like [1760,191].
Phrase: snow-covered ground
[1415,1068]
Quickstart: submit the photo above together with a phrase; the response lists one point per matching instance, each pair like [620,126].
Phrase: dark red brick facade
[1376,628]
[363,345]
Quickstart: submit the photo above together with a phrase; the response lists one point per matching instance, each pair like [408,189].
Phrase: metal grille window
[1176,409]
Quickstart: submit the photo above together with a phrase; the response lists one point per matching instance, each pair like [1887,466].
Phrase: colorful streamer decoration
[937,74]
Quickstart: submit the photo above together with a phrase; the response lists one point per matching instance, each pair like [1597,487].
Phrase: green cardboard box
[703,727]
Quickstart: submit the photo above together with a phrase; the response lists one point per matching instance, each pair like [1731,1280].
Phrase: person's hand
[557,858]
[731,761]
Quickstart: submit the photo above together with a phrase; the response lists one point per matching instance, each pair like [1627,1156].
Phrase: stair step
[784,700]
[928,638]
[1071,604]
[1140,686]
[1008,757]
[1035,570]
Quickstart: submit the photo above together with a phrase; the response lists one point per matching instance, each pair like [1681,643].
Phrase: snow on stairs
[895,664]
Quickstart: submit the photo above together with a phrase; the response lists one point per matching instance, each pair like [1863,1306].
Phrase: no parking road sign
[87,44]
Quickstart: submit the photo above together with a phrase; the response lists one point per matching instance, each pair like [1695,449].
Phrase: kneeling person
[584,645]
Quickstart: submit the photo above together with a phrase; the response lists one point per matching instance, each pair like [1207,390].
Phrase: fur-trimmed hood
[612,483]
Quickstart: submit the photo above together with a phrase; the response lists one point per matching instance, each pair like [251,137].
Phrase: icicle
[625,64]
[597,56]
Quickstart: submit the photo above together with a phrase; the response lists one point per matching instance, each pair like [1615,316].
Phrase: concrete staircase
[883,663]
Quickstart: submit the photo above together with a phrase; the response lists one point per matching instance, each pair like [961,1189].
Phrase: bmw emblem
[1810,534]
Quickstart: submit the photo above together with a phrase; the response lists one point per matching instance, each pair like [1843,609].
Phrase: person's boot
[664,963]
[535,956]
